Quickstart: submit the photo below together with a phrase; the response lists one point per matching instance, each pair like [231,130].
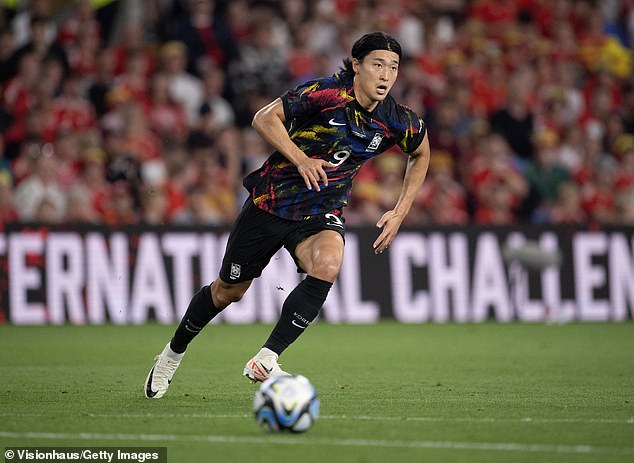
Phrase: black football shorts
[257,235]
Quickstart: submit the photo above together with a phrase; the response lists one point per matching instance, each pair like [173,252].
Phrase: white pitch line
[432,419]
[296,441]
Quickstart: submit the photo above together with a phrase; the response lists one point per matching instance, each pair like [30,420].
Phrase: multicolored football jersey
[326,122]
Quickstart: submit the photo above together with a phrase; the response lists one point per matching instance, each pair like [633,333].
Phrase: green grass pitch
[389,392]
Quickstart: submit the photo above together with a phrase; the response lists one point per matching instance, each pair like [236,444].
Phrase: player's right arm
[269,123]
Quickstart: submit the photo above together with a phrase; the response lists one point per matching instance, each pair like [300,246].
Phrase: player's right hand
[312,171]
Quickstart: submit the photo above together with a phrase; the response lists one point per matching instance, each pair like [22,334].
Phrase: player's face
[374,77]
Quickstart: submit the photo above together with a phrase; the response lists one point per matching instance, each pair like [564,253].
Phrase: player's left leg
[320,256]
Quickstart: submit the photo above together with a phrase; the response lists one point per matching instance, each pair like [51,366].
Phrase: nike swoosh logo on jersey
[333,122]
[298,325]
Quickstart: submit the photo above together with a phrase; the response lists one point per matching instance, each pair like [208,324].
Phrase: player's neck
[364,100]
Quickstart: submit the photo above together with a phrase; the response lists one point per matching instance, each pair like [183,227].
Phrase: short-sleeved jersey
[325,121]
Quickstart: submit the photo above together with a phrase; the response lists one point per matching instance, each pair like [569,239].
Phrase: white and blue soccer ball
[286,404]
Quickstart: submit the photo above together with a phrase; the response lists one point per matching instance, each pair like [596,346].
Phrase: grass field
[389,393]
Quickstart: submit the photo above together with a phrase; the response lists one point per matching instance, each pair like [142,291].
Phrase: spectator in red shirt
[567,208]
[166,117]
[599,196]
[205,36]
[134,80]
[443,199]
[71,110]
[496,182]
[80,25]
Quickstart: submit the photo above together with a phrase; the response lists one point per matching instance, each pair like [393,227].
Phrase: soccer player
[322,132]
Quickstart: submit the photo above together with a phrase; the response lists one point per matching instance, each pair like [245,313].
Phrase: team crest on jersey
[376,141]
[235,271]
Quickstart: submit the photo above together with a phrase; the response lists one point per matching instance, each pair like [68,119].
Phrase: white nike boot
[162,372]
[263,366]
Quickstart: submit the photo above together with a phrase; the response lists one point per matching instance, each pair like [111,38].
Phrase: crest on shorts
[376,141]
[235,271]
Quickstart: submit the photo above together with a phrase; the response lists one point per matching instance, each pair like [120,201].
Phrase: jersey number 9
[340,157]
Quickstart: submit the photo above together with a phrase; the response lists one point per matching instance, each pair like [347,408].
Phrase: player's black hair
[370,42]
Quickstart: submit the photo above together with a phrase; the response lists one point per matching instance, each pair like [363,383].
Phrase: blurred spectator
[132,83]
[515,120]
[38,195]
[6,52]
[182,173]
[166,117]
[627,108]
[39,44]
[546,173]
[444,126]
[572,147]
[132,41]
[599,195]
[625,208]
[66,147]
[122,205]
[18,95]
[496,183]
[139,141]
[154,205]
[204,35]
[390,168]
[497,207]
[8,212]
[102,81]
[184,88]
[215,106]
[88,199]
[23,20]
[442,198]
[230,149]
[71,110]
[219,200]
[83,53]
[121,164]
[302,58]
[255,151]
[80,25]
[196,211]
[567,208]
[80,209]
[48,211]
[258,68]
[239,16]
[625,175]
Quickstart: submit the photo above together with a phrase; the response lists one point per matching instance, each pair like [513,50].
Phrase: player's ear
[355,65]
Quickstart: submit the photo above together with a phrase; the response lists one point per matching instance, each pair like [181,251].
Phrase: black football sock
[200,312]
[300,308]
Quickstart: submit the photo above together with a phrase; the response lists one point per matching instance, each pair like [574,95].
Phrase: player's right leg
[203,307]
[253,240]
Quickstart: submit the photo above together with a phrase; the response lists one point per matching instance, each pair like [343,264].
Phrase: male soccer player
[322,132]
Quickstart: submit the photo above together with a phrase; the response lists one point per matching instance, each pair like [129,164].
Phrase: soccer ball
[286,404]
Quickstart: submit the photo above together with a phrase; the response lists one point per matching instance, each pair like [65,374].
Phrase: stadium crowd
[122,112]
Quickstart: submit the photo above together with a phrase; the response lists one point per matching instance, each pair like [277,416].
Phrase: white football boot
[161,374]
[263,366]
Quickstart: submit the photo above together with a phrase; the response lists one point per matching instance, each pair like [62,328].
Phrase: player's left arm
[415,173]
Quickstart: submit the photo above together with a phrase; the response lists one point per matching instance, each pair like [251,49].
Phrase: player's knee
[224,294]
[326,268]
[225,297]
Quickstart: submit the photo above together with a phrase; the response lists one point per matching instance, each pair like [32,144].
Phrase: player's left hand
[390,222]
